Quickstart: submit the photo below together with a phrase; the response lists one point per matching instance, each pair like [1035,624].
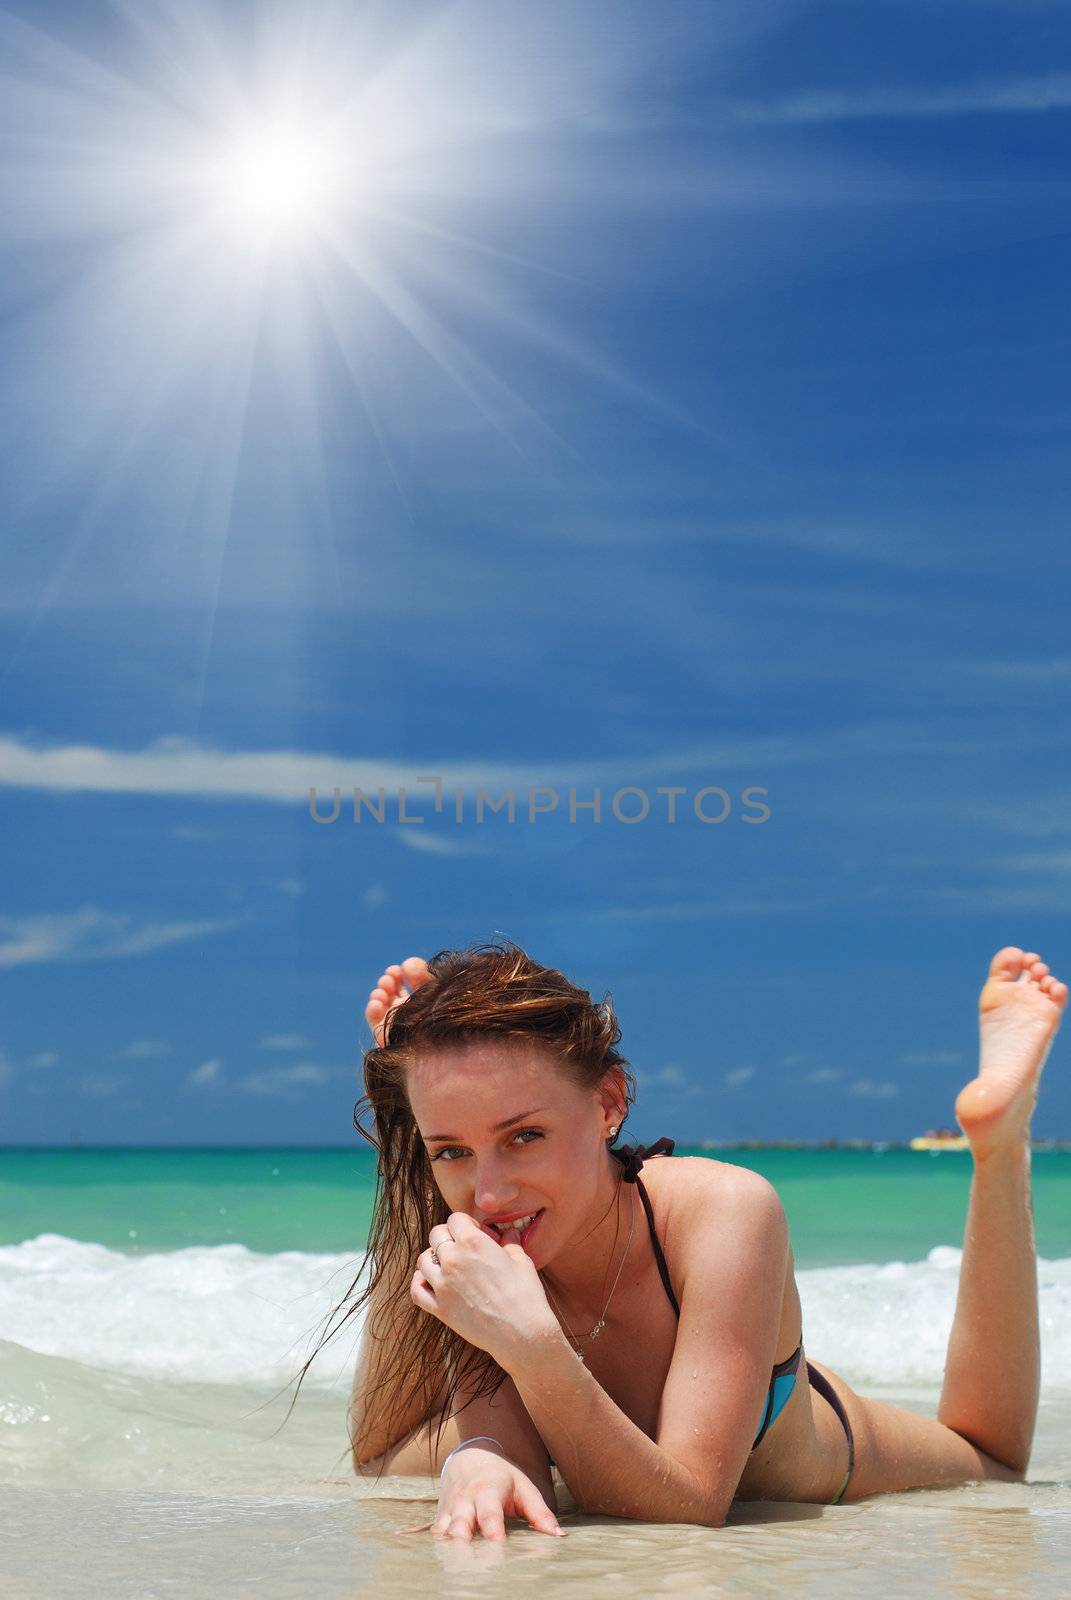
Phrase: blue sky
[649,397]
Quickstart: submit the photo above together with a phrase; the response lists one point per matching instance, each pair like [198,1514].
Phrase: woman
[643,1333]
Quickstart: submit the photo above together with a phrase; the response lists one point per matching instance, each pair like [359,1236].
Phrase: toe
[1009,962]
[1037,971]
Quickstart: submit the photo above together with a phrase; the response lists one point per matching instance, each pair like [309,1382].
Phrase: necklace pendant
[597,1329]
[580,1355]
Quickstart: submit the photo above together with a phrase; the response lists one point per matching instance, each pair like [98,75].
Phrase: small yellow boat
[939,1139]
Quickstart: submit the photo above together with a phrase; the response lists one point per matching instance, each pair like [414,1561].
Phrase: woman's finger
[489,1512]
[428,1264]
[531,1504]
[462,1524]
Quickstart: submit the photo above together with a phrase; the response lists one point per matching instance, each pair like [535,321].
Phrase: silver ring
[434,1255]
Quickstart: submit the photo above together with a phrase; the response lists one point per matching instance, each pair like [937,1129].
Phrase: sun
[276,177]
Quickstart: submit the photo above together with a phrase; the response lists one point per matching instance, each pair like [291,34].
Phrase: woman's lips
[531,1228]
[525,1236]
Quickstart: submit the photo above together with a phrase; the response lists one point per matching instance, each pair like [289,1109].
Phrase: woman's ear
[613,1092]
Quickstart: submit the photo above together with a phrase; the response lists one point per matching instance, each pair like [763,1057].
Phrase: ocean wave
[225,1314]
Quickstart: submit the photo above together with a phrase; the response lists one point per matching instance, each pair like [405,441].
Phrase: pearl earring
[614,1132]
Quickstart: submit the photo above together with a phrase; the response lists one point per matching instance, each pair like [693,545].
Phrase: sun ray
[238,180]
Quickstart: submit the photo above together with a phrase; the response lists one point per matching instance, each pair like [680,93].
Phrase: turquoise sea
[845,1206]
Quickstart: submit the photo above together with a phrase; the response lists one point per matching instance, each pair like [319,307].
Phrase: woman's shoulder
[687,1190]
[688,1179]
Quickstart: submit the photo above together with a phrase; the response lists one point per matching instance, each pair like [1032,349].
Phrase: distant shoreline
[849,1144]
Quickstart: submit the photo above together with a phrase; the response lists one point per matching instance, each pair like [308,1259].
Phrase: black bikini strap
[659,1257]
[632,1158]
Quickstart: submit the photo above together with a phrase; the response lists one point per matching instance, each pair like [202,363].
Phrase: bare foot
[1020,1010]
[391,991]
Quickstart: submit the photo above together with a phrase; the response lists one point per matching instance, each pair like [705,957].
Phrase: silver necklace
[597,1329]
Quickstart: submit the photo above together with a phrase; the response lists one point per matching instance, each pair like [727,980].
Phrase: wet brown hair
[486,991]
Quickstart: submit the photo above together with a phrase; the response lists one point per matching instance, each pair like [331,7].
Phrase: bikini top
[783,1376]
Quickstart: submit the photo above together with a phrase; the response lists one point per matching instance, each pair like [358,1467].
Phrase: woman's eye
[448,1149]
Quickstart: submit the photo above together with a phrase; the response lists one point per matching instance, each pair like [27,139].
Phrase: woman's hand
[478,1491]
[488,1293]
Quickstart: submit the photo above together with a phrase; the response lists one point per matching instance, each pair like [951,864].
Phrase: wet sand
[332,1536]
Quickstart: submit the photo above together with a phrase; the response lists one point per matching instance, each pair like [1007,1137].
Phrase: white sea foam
[225,1314]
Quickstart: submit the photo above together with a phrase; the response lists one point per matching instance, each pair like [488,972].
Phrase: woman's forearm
[611,1467]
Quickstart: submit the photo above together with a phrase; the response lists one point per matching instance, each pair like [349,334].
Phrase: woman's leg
[989,1401]
[993,1369]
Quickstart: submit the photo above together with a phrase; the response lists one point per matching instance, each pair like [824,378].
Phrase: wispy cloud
[822,1075]
[374,898]
[44,1058]
[1050,91]
[146,1050]
[285,1041]
[670,1074]
[90,934]
[438,844]
[179,766]
[932,1058]
[869,1089]
[285,1081]
[738,1076]
[208,1074]
[101,1085]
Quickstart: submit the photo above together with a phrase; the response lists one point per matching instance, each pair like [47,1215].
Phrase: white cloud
[739,1075]
[374,897]
[932,1058]
[90,934]
[1048,91]
[285,1041]
[286,1080]
[438,844]
[206,1074]
[45,1058]
[868,1089]
[823,1075]
[101,1085]
[146,1050]
[294,887]
[180,766]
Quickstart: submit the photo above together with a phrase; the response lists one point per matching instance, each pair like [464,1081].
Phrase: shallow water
[332,1537]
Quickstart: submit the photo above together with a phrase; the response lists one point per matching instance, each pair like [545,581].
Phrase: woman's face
[546,1160]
